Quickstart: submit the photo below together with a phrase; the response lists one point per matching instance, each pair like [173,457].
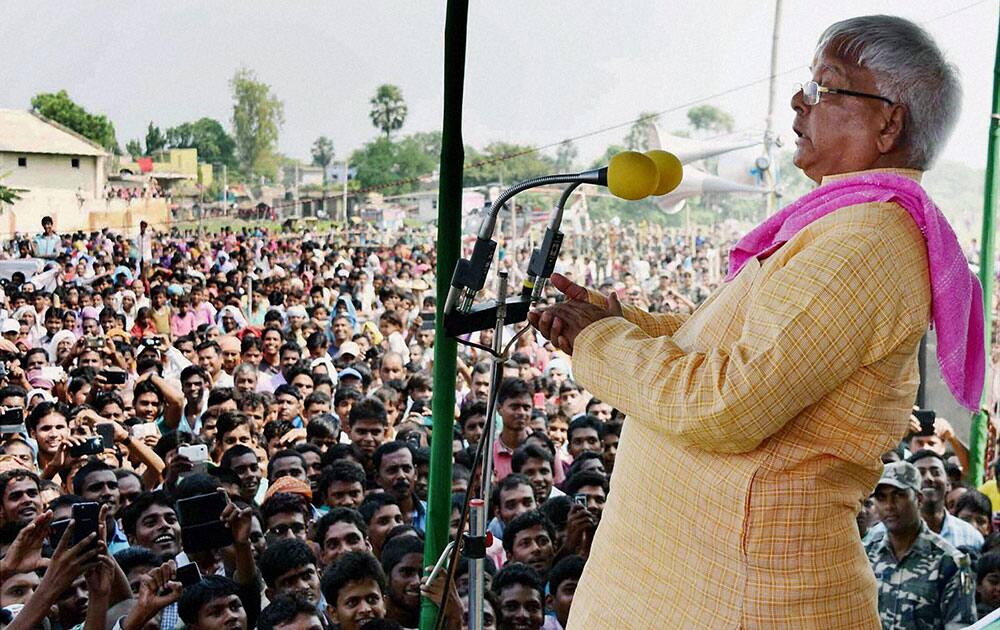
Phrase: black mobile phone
[95,343]
[926,419]
[580,499]
[56,531]
[114,377]
[188,574]
[12,415]
[428,316]
[201,524]
[107,433]
[93,445]
[85,517]
[152,342]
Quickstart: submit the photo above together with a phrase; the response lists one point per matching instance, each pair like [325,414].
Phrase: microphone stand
[476,510]
[480,508]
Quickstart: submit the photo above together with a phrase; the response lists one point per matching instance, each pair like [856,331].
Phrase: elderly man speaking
[755,425]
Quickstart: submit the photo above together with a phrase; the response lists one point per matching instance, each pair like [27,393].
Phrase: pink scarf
[957,297]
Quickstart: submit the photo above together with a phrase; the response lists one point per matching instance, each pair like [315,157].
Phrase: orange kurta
[754,430]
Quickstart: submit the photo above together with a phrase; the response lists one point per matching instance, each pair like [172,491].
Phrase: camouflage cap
[901,475]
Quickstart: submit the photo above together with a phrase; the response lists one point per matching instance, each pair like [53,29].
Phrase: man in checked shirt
[923,581]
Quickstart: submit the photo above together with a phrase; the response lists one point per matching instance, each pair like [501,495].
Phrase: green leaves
[388,111]
[63,110]
[257,116]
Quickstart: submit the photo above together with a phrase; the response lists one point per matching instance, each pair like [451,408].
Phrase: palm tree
[322,152]
[388,109]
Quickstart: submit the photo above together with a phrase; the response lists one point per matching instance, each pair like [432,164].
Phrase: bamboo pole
[448,245]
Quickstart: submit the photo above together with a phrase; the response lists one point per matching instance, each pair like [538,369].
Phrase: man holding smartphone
[96,482]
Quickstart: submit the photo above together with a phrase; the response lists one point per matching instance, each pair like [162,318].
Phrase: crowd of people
[232,430]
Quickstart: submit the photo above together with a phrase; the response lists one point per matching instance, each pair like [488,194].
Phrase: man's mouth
[164,539]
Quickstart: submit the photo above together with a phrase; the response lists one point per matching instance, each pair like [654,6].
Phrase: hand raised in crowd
[25,553]
[157,590]
[580,525]
[561,323]
[239,520]
[70,560]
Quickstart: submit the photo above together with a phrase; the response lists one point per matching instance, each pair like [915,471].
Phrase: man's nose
[798,103]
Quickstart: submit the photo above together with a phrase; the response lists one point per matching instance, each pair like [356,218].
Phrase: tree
[61,108]
[566,154]
[322,152]
[209,137]
[257,116]
[709,118]
[8,195]
[393,167]
[388,111]
[506,163]
[430,143]
[637,138]
[134,148]
[155,139]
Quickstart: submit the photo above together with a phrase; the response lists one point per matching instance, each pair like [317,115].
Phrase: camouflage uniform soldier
[923,581]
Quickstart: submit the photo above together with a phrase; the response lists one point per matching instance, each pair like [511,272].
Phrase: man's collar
[909,173]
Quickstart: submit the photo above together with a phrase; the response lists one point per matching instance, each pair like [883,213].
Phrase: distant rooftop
[23,131]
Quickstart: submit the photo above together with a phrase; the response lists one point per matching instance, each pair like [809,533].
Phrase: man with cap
[934,488]
[10,330]
[923,581]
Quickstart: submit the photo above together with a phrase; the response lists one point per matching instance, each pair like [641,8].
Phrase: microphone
[629,175]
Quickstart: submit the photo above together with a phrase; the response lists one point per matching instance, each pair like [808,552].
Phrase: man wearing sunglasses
[760,417]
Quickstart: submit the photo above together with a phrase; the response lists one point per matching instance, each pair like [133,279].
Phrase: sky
[536,72]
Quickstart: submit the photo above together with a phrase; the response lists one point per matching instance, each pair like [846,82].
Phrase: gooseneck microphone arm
[544,257]
[470,274]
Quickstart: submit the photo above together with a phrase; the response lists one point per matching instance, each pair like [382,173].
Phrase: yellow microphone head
[632,175]
[669,168]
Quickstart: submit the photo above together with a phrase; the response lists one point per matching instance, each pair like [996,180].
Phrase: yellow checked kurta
[754,429]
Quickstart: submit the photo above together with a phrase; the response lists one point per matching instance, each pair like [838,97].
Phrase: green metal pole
[977,438]
[448,245]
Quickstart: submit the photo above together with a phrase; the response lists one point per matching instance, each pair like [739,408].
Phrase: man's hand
[561,323]
[239,521]
[944,430]
[580,524]
[157,590]
[25,553]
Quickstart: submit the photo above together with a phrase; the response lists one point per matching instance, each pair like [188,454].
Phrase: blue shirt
[954,530]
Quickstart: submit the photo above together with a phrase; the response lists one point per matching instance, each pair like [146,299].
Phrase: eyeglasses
[811,92]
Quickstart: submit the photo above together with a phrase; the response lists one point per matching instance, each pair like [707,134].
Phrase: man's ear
[269,593]
[890,137]
[550,602]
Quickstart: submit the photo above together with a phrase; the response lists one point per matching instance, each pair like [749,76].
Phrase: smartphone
[95,343]
[152,342]
[107,433]
[581,499]
[201,525]
[144,429]
[54,373]
[413,439]
[86,517]
[93,445]
[12,415]
[926,419]
[114,377]
[188,574]
[428,316]
[56,531]
[197,454]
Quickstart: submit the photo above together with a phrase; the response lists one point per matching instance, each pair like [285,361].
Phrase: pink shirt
[182,325]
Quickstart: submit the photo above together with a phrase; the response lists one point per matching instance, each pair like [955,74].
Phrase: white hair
[909,68]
